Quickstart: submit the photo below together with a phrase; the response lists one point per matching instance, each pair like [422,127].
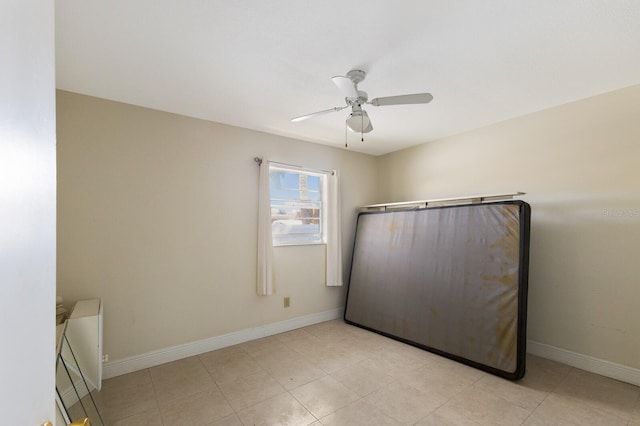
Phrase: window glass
[296,206]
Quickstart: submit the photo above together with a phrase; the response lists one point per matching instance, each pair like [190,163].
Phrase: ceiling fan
[358,121]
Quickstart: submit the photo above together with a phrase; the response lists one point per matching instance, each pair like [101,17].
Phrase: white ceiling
[257,64]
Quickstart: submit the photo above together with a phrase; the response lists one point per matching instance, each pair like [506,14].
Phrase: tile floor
[335,374]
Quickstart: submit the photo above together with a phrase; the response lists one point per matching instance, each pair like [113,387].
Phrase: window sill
[298,244]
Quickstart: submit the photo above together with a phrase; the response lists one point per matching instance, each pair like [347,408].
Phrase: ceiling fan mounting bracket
[356,76]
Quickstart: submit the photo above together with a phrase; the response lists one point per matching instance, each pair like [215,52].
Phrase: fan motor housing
[362,99]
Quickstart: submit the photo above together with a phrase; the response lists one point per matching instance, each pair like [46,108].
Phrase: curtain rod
[259,161]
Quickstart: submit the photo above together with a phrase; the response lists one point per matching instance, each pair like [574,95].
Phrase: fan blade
[313,114]
[346,86]
[418,98]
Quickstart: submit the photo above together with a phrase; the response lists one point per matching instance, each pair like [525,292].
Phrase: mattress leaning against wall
[451,280]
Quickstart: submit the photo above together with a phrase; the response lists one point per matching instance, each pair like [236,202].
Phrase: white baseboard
[174,353]
[584,362]
[162,356]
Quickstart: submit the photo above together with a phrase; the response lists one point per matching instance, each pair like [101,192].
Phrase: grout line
[219,389]
[155,395]
[536,407]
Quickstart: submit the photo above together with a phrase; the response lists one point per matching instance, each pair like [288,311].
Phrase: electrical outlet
[105,358]
[287,302]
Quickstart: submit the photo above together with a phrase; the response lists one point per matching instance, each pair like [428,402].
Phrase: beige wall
[144,200]
[157,214]
[580,167]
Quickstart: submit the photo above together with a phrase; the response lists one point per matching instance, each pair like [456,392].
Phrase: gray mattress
[452,280]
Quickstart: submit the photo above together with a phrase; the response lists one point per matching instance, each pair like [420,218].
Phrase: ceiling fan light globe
[358,121]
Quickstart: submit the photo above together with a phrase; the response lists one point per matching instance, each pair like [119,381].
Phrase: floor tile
[250,390]
[562,410]
[274,357]
[260,344]
[445,416]
[149,418]
[412,354]
[197,409]
[330,332]
[209,359]
[359,413]
[332,359]
[186,366]
[446,364]
[180,379]
[362,379]
[231,420]
[356,332]
[606,394]
[279,410]
[516,392]
[324,396]
[127,380]
[359,347]
[294,373]
[392,364]
[404,403]
[240,365]
[307,346]
[487,409]
[289,336]
[128,395]
[372,344]
[447,382]
[543,374]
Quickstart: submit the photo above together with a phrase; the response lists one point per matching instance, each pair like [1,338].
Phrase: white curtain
[264,285]
[334,235]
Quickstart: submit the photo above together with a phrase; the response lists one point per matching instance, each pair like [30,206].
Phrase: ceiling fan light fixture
[358,121]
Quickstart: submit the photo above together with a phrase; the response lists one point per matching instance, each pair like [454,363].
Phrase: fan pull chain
[345,135]
[361,127]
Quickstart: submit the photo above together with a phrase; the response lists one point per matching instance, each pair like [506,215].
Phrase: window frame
[322,189]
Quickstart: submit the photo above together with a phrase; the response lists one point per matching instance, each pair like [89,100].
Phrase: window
[297,206]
